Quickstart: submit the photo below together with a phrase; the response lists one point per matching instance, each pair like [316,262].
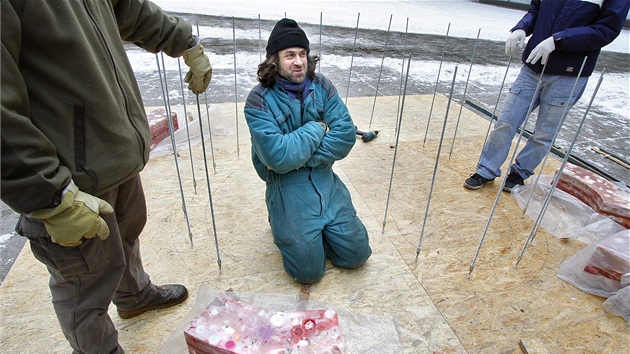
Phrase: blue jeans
[550,99]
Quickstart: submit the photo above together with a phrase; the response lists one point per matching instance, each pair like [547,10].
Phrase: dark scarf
[294,90]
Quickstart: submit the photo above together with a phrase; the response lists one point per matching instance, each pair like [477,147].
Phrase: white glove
[75,218]
[542,51]
[200,74]
[516,38]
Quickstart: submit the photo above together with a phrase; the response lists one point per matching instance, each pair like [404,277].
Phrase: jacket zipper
[113,63]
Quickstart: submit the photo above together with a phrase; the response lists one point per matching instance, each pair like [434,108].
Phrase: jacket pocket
[514,91]
[80,146]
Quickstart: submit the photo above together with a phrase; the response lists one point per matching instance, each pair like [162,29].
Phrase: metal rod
[437,161]
[565,112]
[205,93]
[402,70]
[391,178]
[496,104]
[259,41]
[169,119]
[356,34]
[238,145]
[214,164]
[380,71]
[437,80]
[205,161]
[496,201]
[190,151]
[319,62]
[545,204]
[461,107]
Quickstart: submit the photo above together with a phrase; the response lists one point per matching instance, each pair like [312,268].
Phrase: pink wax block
[230,326]
[610,257]
[597,192]
[158,124]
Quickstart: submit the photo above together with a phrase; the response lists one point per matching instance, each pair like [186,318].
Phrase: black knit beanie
[286,34]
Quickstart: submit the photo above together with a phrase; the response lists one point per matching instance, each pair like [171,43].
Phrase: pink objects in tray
[230,326]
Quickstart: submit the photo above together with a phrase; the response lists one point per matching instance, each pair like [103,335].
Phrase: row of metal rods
[399,116]
[545,204]
[163,84]
[558,174]
[399,122]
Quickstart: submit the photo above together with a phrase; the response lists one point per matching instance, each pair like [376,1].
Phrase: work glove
[516,38]
[542,51]
[200,73]
[76,217]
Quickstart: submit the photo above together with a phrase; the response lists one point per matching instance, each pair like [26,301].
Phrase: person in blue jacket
[299,127]
[563,33]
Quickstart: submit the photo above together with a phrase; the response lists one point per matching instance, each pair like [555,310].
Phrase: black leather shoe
[167,296]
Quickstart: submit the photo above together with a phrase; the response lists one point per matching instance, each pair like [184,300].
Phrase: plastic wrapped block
[600,267]
[230,326]
[619,304]
[158,124]
[597,192]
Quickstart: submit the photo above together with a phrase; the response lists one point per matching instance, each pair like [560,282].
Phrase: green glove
[200,74]
[75,218]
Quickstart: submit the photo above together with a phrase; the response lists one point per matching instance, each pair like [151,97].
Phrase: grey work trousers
[85,279]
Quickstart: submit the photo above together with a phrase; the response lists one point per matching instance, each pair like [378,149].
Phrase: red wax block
[158,124]
[610,257]
[597,192]
[230,326]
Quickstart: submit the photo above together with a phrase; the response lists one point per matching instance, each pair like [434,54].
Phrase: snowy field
[425,16]
[608,123]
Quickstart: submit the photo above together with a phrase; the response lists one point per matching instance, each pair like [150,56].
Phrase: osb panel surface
[437,307]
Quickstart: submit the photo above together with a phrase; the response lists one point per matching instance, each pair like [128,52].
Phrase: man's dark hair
[268,69]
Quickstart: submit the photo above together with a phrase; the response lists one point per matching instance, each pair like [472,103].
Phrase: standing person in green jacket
[299,127]
[74,139]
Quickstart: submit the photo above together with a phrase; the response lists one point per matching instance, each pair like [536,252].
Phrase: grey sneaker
[513,180]
[476,181]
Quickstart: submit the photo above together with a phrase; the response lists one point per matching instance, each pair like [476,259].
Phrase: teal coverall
[310,209]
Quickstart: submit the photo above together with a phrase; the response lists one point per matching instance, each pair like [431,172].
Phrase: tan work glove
[75,218]
[200,74]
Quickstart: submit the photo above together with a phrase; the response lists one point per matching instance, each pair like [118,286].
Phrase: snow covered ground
[466,17]
[609,119]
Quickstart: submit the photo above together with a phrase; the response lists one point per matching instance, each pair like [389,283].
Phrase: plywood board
[437,307]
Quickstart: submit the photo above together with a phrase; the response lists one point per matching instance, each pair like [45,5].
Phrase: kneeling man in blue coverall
[299,127]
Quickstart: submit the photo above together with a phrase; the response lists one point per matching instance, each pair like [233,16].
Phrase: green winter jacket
[71,107]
